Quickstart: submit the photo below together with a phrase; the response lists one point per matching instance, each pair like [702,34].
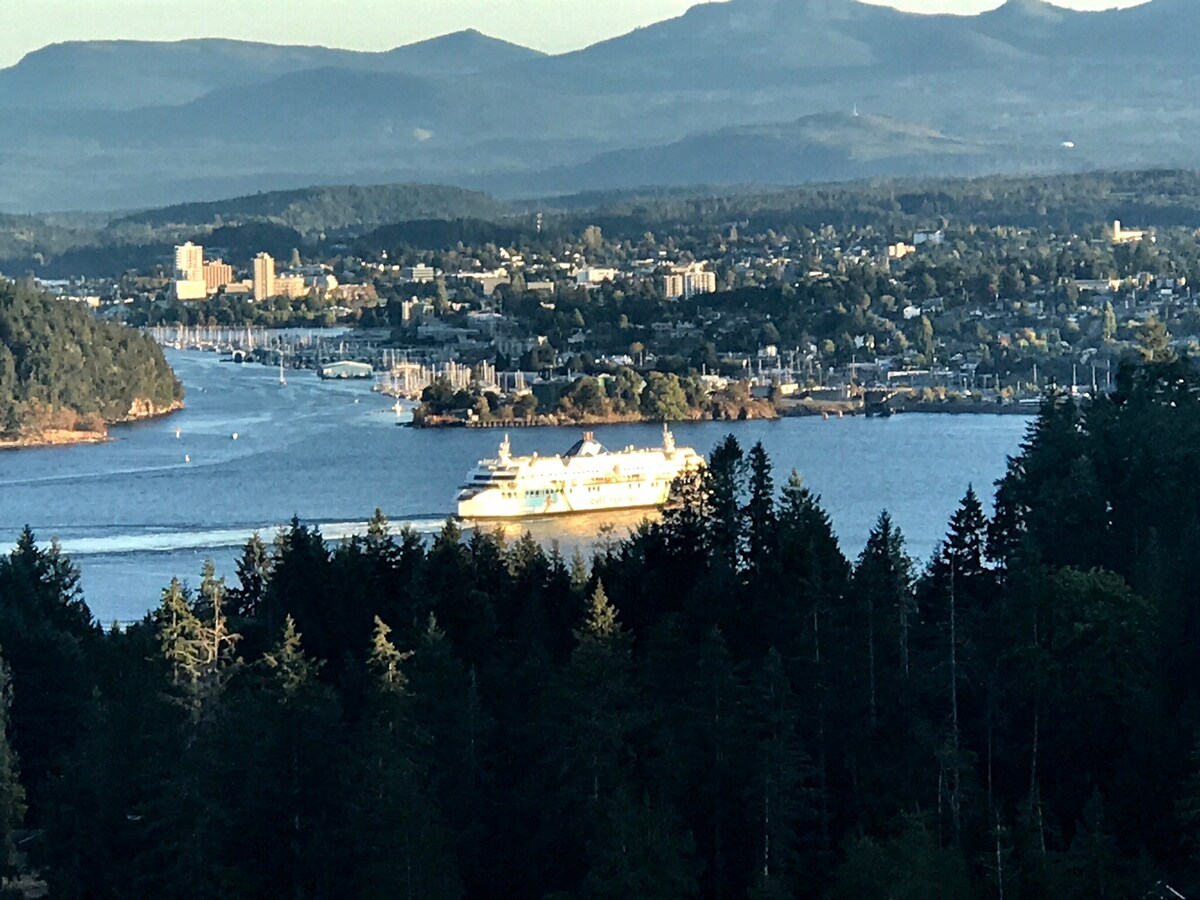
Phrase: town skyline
[547,25]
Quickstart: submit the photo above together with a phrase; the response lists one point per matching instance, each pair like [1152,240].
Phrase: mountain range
[744,91]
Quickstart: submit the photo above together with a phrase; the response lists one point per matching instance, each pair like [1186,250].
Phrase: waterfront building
[264,276]
[290,286]
[188,289]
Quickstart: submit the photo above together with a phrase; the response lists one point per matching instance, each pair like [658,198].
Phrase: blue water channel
[163,496]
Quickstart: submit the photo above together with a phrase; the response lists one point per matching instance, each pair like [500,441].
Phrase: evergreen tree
[195,640]
[48,637]
[724,477]
[595,699]
[780,782]
[400,846]
[12,794]
[281,731]
[638,851]
[812,622]
[253,574]
[883,583]
[908,866]
[451,734]
[761,521]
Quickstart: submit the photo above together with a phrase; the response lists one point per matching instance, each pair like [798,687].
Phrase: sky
[551,25]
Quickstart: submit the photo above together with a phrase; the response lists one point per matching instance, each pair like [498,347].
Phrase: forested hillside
[723,705]
[1165,197]
[61,368]
[330,208]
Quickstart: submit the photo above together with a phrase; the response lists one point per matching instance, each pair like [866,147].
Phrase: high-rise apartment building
[264,276]
[187,282]
[688,281]
[189,262]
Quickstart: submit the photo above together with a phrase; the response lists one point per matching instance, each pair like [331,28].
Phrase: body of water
[163,496]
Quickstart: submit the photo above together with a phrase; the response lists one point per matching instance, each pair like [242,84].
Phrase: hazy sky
[551,25]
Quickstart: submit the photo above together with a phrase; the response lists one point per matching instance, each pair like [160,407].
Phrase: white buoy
[187,458]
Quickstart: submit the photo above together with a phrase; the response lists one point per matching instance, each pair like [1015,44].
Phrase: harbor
[148,504]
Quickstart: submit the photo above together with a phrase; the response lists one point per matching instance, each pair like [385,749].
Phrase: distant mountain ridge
[817,148]
[128,75]
[715,93]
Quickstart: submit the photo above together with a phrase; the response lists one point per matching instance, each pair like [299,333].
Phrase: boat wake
[218,538]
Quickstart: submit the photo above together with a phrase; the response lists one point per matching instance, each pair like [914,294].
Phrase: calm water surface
[135,511]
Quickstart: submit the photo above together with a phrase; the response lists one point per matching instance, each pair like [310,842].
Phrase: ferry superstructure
[587,478]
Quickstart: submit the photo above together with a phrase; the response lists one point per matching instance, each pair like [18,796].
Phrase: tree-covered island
[618,395]
[65,376]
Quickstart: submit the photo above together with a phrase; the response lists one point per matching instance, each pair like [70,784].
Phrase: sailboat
[282,378]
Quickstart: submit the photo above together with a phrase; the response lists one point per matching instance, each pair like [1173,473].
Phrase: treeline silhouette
[721,705]
[60,365]
[1085,201]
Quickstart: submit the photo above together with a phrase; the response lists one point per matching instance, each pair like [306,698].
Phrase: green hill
[63,370]
[327,208]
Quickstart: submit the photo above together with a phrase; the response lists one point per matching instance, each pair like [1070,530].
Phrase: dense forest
[1166,197]
[61,367]
[721,705]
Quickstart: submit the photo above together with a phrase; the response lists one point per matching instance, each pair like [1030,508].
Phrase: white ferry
[587,478]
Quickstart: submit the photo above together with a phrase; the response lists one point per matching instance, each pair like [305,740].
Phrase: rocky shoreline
[845,408]
[139,411]
[558,420]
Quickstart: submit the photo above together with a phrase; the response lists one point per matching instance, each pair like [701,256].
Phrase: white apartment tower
[264,276]
[688,281]
[189,262]
[187,282]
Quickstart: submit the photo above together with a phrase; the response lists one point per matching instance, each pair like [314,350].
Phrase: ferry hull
[492,504]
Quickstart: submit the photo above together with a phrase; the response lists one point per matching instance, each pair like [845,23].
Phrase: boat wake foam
[217,538]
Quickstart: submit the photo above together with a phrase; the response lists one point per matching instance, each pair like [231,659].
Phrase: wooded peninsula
[724,704]
[65,376]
